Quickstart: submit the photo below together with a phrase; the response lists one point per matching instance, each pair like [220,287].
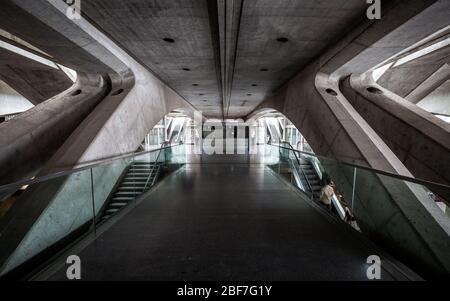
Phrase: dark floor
[217,221]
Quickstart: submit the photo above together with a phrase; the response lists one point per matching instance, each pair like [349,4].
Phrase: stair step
[132,184]
[127,193]
[117,204]
[131,188]
[122,198]
[138,174]
[135,178]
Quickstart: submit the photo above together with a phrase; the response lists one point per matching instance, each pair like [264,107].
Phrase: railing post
[354,187]
[93,204]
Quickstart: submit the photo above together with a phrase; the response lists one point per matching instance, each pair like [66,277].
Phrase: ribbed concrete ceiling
[403,79]
[229,46]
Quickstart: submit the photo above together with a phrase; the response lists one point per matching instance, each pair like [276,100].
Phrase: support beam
[430,84]
[418,138]
[36,81]
[29,140]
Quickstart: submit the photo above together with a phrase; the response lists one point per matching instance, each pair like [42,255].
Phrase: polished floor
[226,219]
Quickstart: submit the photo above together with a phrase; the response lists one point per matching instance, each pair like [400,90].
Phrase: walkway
[226,221]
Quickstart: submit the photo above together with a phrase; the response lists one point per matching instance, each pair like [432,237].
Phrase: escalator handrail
[299,164]
[376,171]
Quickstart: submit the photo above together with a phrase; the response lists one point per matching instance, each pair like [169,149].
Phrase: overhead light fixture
[331,92]
[283,40]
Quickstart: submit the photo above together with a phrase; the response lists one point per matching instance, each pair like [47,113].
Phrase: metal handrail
[377,171]
[154,166]
[300,166]
[18,184]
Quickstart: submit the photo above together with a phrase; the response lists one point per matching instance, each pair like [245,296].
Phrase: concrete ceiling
[199,31]
[405,78]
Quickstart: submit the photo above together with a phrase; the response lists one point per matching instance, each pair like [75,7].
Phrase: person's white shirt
[326,194]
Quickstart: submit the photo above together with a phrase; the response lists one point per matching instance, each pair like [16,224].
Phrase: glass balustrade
[47,213]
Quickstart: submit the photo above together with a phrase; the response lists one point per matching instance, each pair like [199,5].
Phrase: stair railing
[154,166]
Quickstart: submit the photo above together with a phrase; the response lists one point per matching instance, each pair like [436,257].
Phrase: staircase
[132,185]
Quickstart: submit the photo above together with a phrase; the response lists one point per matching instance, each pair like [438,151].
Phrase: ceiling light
[282,40]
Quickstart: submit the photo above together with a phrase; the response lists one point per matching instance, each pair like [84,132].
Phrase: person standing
[326,194]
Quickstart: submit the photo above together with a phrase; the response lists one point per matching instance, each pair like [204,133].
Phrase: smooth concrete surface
[225,219]
[36,81]
[310,27]
[29,140]
[245,33]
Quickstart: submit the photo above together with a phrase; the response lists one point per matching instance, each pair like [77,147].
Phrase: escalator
[306,173]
